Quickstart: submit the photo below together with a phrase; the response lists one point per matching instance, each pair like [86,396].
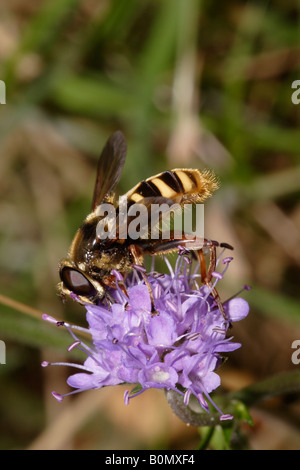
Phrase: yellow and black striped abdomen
[181,185]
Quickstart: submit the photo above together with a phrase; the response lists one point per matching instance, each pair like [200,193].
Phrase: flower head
[177,347]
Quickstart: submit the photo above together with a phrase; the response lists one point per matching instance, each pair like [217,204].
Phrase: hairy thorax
[98,257]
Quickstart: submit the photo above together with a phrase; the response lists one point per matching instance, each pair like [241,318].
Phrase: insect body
[92,261]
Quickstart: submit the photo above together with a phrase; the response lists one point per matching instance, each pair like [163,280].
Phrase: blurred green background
[191,84]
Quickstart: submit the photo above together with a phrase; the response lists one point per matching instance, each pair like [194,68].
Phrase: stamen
[152,263]
[73,345]
[193,336]
[217,275]
[171,305]
[69,364]
[218,329]
[186,276]
[157,275]
[225,247]
[117,275]
[202,401]
[135,277]
[186,397]
[182,250]
[48,318]
[58,396]
[246,287]
[126,397]
[76,327]
[169,266]
[157,291]
[225,269]
[225,417]
[212,402]
[227,260]
[133,395]
[142,269]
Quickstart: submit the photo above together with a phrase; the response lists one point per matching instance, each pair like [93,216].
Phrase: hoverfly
[89,269]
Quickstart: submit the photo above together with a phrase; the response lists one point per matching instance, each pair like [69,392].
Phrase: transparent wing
[109,168]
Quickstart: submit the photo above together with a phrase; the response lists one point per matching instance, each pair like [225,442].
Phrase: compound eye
[76,282]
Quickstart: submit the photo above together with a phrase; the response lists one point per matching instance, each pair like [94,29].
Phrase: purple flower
[178,347]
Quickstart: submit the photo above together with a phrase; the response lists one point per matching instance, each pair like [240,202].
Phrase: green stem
[280,384]
[206,439]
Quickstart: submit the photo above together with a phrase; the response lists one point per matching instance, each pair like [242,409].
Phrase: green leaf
[280,384]
[137,388]
[91,96]
[275,304]
[241,412]
[42,31]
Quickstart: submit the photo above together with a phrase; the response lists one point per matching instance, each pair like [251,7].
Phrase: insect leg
[207,274]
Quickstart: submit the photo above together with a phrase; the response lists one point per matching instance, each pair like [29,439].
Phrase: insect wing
[109,168]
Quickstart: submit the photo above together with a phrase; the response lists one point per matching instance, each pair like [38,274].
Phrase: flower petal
[161,331]
[236,309]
